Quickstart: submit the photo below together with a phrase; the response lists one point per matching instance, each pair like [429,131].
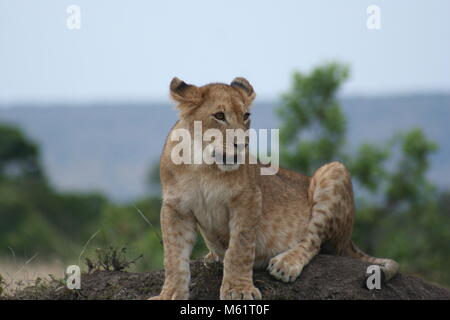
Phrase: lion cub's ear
[182,92]
[245,88]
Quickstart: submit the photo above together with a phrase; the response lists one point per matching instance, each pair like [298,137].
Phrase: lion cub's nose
[240,146]
[229,160]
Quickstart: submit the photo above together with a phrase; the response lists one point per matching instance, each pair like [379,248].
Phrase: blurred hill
[110,147]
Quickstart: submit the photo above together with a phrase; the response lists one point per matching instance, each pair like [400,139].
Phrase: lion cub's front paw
[285,267]
[229,291]
[172,294]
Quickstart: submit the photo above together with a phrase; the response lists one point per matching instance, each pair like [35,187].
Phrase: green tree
[314,126]
[33,216]
[397,206]
[18,155]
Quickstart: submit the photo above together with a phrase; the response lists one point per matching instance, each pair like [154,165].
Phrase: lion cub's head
[219,108]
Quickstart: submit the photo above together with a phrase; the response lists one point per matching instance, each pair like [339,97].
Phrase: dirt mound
[326,277]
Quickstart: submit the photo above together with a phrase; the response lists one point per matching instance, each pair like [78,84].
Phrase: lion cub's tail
[388,266]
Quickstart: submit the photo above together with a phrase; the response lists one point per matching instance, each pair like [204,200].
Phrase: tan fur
[248,220]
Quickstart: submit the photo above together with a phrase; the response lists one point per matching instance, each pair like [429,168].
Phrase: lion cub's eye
[219,116]
[246,115]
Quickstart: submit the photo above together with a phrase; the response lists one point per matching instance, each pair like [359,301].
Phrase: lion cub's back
[287,188]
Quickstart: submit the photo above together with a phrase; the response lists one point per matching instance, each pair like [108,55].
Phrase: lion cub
[248,220]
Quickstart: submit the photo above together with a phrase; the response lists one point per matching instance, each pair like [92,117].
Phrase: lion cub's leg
[237,282]
[331,198]
[179,233]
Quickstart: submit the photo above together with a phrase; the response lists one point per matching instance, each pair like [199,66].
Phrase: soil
[326,277]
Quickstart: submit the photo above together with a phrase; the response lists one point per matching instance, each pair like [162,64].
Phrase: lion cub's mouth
[227,162]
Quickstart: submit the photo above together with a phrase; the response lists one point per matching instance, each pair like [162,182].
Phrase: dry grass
[19,274]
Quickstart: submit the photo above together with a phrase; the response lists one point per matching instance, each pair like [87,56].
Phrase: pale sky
[130,50]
